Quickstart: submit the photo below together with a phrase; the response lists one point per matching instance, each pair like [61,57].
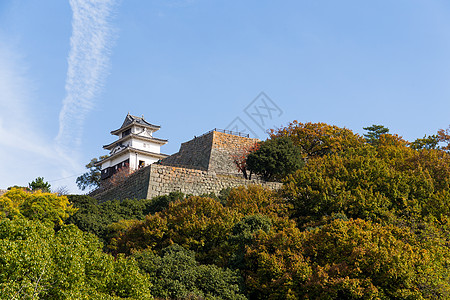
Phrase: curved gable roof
[130,120]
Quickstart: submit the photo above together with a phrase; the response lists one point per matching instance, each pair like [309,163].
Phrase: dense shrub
[177,275]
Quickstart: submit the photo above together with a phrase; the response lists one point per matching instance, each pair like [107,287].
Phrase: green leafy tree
[275,158]
[243,236]
[159,203]
[427,142]
[175,274]
[39,184]
[388,181]
[92,178]
[374,132]
[38,263]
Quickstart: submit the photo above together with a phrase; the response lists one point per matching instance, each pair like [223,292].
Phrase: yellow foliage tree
[38,205]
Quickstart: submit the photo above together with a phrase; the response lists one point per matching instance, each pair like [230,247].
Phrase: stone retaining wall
[225,148]
[166,179]
[134,187]
[156,180]
[193,154]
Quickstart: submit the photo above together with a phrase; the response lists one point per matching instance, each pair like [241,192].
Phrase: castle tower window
[126,132]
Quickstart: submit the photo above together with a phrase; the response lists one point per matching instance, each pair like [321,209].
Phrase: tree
[344,259]
[92,178]
[240,159]
[318,139]
[444,137]
[275,159]
[38,263]
[200,224]
[427,142]
[95,217]
[388,181]
[432,141]
[118,177]
[254,199]
[243,236]
[62,190]
[374,132]
[175,274]
[18,203]
[39,184]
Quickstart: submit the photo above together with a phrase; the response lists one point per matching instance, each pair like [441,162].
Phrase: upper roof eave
[150,139]
[121,129]
[128,149]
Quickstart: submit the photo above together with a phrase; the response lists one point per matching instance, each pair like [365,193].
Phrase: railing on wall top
[228,132]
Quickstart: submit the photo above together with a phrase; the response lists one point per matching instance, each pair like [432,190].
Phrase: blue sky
[194,65]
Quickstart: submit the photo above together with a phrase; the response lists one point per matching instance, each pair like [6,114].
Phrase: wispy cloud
[88,61]
[27,152]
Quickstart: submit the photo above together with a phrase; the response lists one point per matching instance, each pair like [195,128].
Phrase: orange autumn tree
[443,135]
[433,141]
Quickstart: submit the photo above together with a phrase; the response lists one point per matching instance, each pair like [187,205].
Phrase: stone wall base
[156,180]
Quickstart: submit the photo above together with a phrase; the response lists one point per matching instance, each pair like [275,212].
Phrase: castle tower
[135,148]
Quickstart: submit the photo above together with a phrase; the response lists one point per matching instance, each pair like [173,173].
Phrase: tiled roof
[129,119]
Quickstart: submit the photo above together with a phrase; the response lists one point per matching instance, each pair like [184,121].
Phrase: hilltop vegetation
[357,218]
